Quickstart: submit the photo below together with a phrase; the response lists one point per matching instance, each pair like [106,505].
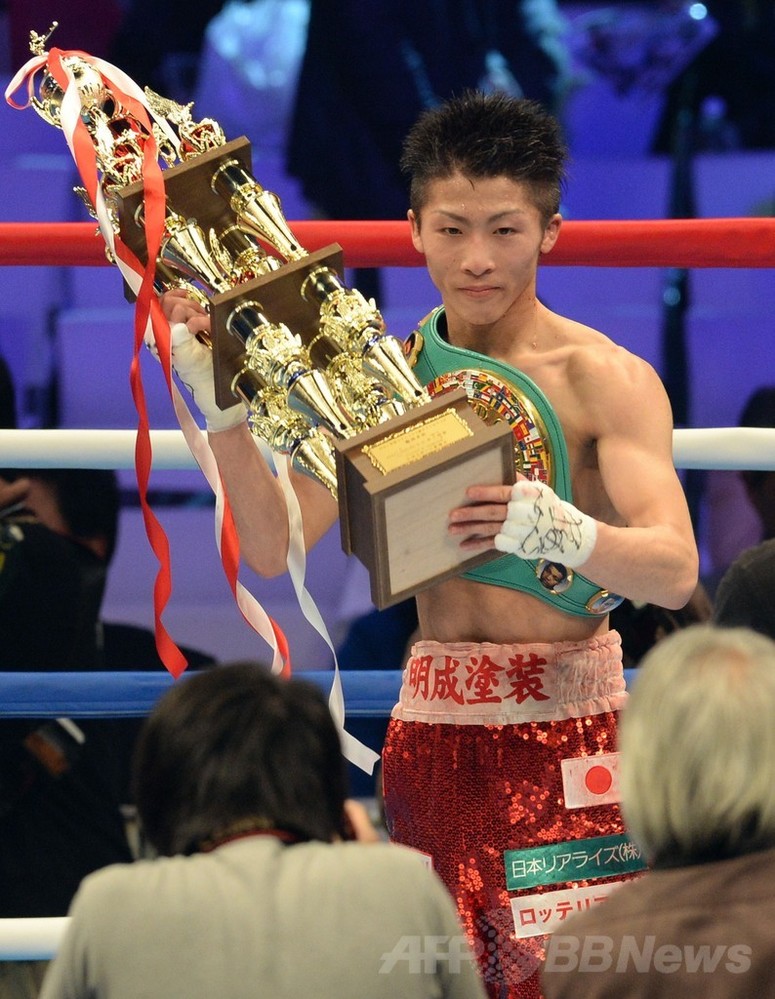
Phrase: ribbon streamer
[149,319]
[355,751]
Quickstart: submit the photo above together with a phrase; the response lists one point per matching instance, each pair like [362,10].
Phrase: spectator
[712,85]
[240,788]
[741,505]
[697,753]
[641,625]
[63,783]
[744,597]
[167,58]
[59,787]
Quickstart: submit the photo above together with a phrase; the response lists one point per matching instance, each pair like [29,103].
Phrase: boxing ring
[689,243]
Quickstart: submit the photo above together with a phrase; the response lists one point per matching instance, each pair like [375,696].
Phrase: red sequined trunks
[500,765]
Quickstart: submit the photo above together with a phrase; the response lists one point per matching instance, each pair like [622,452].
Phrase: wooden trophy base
[188,191]
[278,295]
[398,482]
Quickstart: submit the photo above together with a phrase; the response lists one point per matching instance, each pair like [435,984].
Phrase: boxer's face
[482,239]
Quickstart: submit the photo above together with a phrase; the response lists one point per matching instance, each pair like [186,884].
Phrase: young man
[514,684]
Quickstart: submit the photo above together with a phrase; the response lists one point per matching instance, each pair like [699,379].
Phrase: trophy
[323,381]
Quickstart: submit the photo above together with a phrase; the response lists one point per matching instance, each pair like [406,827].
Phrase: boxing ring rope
[31,939]
[691,243]
[130,694]
[719,447]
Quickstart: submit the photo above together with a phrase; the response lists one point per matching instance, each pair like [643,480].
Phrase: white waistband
[466,683]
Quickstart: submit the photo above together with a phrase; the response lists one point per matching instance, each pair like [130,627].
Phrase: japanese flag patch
[590,780]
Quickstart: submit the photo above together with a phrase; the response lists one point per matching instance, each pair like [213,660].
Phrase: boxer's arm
[255,495]
[258,502]
[653,558]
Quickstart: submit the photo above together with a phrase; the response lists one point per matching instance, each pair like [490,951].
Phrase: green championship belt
[497,391]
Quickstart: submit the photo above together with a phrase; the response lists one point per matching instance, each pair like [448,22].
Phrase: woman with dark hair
[240,787]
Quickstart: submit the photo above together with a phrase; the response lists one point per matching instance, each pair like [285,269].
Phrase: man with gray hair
[697,745]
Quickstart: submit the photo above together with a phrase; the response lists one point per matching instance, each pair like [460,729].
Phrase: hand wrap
[539,525]
[192,362]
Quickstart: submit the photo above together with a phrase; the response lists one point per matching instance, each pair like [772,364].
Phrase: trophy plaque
[398,483]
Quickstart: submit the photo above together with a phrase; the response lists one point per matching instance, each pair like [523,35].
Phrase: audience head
[745,596]
[483,136]
[235,749]
[697,746]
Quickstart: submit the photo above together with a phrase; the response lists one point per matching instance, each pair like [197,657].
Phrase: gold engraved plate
[418,441]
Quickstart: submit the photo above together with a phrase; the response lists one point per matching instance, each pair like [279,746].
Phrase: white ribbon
[354,750]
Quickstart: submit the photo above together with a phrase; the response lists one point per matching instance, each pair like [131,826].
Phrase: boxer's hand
[475,524]
[539,524]
[180,307]
[192,361]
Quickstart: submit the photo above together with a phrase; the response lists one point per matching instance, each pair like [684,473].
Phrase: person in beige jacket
[697,745]
[268,882]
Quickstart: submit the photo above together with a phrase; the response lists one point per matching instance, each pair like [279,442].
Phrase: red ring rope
[726,242]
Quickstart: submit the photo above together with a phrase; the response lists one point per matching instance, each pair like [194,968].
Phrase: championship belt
[499,393]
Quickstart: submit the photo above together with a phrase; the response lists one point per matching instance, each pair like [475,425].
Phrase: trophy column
[324,382]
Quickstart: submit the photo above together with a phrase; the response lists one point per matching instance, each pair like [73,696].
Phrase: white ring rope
[750,448]
[31,939]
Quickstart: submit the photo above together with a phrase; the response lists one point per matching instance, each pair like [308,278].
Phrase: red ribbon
[147,309]
[154,208]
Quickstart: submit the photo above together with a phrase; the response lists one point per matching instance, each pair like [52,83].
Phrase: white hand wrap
[540,525]
[192,362]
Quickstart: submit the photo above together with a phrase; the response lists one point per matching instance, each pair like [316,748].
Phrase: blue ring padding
[367,693]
